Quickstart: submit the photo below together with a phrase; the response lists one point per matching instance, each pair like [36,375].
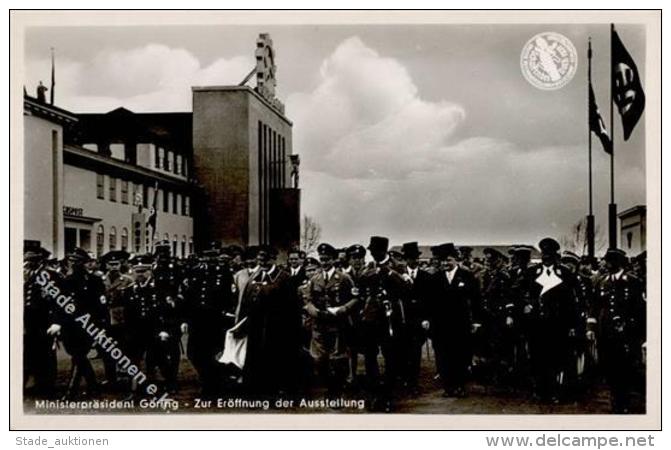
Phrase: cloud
[379,159]
[148,78]
[366,119]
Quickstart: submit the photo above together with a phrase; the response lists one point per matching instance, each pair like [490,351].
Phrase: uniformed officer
[520,257]
[576,364]
[355,268]
[208,310]
[415,313]
[115,283]
[39,340]
[618,324]
[554,320]
[332,298]
[151,322]
[466,260]
[383,293]
[497,313]
[88,297]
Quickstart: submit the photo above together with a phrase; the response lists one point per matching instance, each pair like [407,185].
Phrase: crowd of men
[558,325]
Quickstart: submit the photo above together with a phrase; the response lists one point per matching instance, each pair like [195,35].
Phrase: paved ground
[479,401]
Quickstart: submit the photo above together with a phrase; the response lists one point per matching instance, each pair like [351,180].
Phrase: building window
[157,159]
[112,189]
[178,164]
[124,238]
[124,192]
[100,185]
[166,200]
[168,161]
[184,168]
[190,246]
[112,238]
[136,194]
[145,196]
[183,246]
[174,245]
[175,200]
[161,158]
[100,240]
[187,209]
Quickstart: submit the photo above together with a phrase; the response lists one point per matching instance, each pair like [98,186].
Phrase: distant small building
[633,230]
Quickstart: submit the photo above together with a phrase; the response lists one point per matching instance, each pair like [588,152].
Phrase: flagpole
[53,77]
[590,216]
[612,207]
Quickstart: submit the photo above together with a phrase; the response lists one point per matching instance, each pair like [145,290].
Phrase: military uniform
[152,326]
[115,283]
[498,315]
[88,297]
[384,292]
[39,347]
[208,310]
[332,297]
[618,316]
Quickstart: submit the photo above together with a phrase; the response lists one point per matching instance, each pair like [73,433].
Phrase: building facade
[224,172]
[633,230]
[95,189]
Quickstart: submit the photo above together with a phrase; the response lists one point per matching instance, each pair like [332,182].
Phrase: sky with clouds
[427,133]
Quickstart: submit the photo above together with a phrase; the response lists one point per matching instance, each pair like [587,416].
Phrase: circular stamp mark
[549,61]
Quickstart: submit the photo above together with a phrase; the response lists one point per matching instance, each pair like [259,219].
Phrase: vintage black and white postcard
[438,219]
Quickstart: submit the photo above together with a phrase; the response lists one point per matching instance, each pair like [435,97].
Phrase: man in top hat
[207,310]
[434,261]
[449,319]
[419,284]
[39,349]
[331,300]
[153,329]
[383,291]
[618,324]
[554,318]
[88,297]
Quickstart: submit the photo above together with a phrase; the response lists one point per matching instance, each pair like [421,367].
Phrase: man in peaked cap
[39,355]
[88,297]
[272,329]
[207,308]
[152,326]
[449,319]
[419,287]
[115,282]
[618,322]
[355,268]
[584,291]
[331,299]
[554,318]
[498,315]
